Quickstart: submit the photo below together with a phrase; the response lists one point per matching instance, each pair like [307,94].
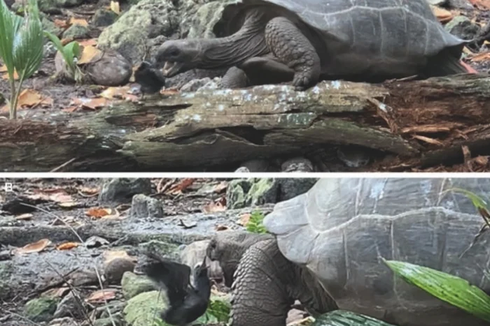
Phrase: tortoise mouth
[171,68]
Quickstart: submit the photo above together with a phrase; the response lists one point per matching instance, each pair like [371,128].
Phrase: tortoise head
[177,56]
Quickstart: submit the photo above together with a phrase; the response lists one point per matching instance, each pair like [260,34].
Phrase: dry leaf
[88,54]
[24,217]
[78,21]
[119,93]
[34,247]
[114,254]
[101,296]
[213,207]
[483,56]
[442,15]
[98,212]
[30,98]
[115,7]
[481,4]
[61,23]
[244,219]
[69,204]
[221,228]
[91,103]
[179,187]
[89,191]
[56,195]
[169,91]
[88,42]
[481,160]
[68,245]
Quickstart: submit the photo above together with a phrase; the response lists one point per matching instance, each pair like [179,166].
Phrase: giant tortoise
[307,40]
[329,243]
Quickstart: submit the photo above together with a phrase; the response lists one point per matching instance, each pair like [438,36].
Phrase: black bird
[187,302]
[149,78]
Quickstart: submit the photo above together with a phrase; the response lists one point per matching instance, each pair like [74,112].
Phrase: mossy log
[423,123]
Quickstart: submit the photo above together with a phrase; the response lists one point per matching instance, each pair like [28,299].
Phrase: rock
[460,4]
[121,190]
[133,285]
[462,27]
[51,27]
[292,187]
[437,2]
[115,269]
[143,207]
[168,250]
[72,305]
[40,309]
[297,164]
[258,165]
[252,192]
[109,68]
[204,20]
[194,254]
[76,32]
[145,308]
[130,34]
[242,169]
[103,17]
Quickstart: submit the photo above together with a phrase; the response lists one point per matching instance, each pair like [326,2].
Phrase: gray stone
[76,31]
[104,17]
[109,68]
[204,20]
[144,206]
[122,190]
[297,164]
[72,305]
[168,250]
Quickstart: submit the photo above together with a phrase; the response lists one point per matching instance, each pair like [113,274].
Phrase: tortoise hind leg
[290,46]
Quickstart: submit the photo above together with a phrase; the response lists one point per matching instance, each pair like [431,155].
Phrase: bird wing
[174,276]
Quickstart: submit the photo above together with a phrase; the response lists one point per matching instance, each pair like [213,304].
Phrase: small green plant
[451,289]
[480,204]
[256,223]
[21,47]
[70,52]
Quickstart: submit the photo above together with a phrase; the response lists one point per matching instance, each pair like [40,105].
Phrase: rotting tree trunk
[423,123]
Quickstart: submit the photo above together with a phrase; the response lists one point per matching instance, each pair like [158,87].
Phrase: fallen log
[420,123]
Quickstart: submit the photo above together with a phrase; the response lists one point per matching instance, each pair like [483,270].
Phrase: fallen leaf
[69,204]
[88,54]
[98,212]
[68,245]
[56,292]
[482,160]
[169,91]
[56,195]
[221,228]
[442,15]
[101,296]
[483,56]
[244,219]
[118,93]
[29,97]
[179,187]
[88,42]
[24,217]
[34,247]
[115,7]
[213,207]
[89,191]
[61,23]
[91,103]
[78,21]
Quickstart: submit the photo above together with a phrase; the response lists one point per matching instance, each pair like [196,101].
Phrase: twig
[63,165]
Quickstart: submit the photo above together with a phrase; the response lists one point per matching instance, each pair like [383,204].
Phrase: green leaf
[9,25]
[343,318]
[28,43]
[256,223]
[446,287]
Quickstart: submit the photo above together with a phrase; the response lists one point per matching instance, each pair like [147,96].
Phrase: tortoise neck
[233,50]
